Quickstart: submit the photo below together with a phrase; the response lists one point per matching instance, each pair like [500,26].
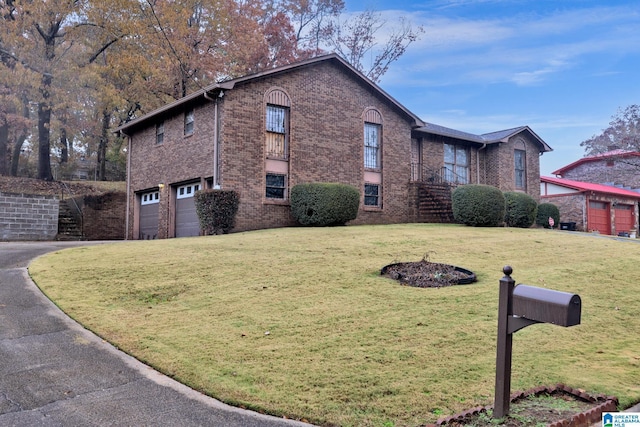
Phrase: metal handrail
[422,174]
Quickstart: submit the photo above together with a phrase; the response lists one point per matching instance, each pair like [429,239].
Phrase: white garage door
[187,223]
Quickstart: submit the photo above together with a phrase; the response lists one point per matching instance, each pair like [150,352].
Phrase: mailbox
[546,305]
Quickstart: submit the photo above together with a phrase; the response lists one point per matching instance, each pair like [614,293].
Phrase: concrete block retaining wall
[28,217]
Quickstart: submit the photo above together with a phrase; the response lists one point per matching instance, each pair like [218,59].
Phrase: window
[188,190]
[371,195]
[276,186]
[520,169]
[456,164]
[277,124]
[150,198]
[160,133]
[371,146]
[188,122]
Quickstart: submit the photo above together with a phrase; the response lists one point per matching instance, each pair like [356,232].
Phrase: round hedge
[520,209]
[546,211]
[478,205]
[324,204]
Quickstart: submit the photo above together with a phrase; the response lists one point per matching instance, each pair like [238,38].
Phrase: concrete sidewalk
[53,372]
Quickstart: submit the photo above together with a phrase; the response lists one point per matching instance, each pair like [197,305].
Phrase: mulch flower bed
[426,274]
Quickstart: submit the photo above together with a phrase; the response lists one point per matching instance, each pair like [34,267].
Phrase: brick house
[319,120]
[616,167]
[593,207]
[598,193]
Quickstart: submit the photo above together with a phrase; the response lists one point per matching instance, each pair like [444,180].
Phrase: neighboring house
[615,167]
[319,120]
[593,207]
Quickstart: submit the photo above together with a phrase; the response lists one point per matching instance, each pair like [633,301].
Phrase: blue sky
[562,67]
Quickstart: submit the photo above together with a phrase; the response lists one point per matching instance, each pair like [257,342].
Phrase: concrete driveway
[53,372]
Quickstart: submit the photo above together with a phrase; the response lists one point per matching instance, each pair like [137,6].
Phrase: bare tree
[359,37]
[623,133]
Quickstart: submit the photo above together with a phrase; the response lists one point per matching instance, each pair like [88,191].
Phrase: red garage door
[599,217]
[624,220]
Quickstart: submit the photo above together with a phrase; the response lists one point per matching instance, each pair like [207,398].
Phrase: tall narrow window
[520,169]
[456,164]
[277,129]
[189,121]
[160,133]
[371,146]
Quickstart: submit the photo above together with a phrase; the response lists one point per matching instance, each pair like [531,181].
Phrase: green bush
[546,211]
[324,204]
[478,205]
[520,209]
[216,210]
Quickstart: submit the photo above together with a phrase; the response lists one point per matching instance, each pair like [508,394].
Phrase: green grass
[298,321]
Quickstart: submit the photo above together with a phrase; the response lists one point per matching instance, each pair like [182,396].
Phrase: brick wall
[28,217]
[572,208]
[326,145]
[103,216]
[620,171]
[499,165]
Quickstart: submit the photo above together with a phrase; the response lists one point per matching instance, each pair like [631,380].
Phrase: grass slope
[298,321]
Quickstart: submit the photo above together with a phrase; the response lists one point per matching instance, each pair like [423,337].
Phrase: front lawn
[298,322]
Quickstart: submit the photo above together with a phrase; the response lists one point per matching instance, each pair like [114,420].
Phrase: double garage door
[186,218]
[600,217]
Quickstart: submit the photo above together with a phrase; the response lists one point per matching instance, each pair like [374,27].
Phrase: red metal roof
[589,186]
[596,157]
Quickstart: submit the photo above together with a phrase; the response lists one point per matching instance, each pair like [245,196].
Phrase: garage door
[149,203]
[187,223]
[624,220]
[599,217]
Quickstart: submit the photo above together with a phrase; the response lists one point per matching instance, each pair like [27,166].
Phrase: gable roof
[216,88]
[596,157]
[589,186]
[486,138]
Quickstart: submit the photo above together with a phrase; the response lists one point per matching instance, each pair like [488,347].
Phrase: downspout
[216,136]
[128,205]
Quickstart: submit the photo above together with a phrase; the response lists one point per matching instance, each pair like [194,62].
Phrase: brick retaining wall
[28,217]
[104,216]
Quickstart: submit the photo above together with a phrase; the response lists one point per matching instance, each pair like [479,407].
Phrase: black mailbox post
[518,307]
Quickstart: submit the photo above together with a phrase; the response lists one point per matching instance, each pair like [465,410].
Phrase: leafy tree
[72,70]
[623,133]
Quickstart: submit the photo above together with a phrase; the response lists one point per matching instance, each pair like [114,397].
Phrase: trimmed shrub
[323,204]
[478,205]
[546,211]
[216,210]
[520,209]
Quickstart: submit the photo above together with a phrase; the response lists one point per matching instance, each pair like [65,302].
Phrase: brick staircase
[433,202]
[69,221]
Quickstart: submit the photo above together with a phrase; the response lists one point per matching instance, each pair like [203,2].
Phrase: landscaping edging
[426,274]
[583,419]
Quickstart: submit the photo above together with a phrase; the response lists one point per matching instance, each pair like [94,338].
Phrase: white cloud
[523,49]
